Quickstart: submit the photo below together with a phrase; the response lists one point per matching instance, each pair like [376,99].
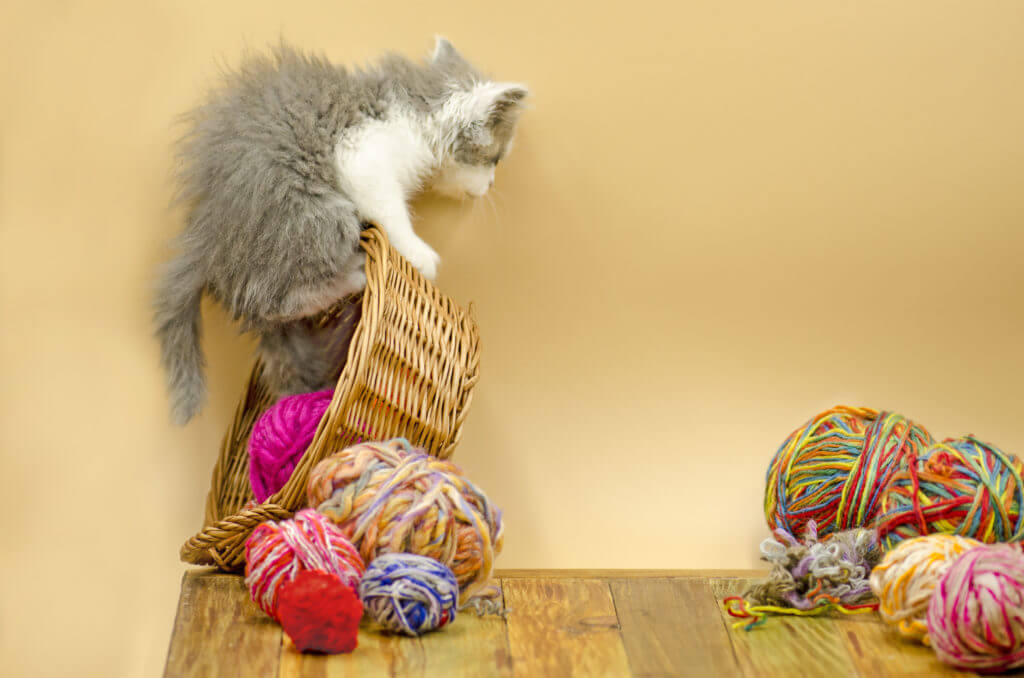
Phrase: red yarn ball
[320,613]
[280,437]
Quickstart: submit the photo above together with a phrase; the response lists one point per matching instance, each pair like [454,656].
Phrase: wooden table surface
[559,623]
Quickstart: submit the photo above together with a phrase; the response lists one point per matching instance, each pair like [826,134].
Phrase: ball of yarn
[280,437]
[276,553]
[959,486]
[409,594]
[392,498]
[976,615]
[906,578]
[319,613]
[833,469]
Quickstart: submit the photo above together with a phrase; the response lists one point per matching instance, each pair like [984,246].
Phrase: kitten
[284,165]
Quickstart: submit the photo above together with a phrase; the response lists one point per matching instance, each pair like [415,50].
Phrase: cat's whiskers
[491,203]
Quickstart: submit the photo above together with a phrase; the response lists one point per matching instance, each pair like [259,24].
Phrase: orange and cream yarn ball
[907,576]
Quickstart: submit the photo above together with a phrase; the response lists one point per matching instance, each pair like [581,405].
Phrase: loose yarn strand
[739,607]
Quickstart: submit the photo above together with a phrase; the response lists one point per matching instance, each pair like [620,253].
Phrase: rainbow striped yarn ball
[959,486]
[976,616]
[409,594]
[275,553]
[390,497]
[907,576]
[832,470]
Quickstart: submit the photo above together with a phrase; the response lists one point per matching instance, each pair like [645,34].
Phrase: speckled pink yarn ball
[275,553]
[279,438]
[976,615]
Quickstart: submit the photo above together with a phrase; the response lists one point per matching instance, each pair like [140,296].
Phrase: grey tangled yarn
[809,573]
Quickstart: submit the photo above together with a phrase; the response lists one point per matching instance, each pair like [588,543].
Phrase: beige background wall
[719,219]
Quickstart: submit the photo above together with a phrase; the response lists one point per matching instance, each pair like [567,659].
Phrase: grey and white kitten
[280,170]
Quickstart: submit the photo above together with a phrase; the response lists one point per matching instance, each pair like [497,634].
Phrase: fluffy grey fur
[270,223]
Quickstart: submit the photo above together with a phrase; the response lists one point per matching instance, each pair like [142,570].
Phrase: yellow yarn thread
[907,576]
[753,615]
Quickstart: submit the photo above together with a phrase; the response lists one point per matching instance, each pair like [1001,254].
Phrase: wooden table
[560,623]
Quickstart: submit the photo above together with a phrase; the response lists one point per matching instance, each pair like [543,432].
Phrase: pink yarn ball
[276,553]
[976,615]
[280,437]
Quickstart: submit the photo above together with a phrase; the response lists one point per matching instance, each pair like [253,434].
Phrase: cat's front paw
[424,259]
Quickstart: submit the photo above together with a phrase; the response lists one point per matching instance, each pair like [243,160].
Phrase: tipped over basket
[413,362]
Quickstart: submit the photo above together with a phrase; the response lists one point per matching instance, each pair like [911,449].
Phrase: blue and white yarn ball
[409,594]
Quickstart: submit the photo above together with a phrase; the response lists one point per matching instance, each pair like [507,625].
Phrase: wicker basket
[412,365]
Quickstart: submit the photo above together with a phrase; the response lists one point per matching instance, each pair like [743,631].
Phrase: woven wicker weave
[412,365]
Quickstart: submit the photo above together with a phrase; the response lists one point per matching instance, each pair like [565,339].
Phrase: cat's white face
[457,180]
[478,122]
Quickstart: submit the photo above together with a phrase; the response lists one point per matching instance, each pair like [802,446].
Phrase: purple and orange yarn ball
[391,497]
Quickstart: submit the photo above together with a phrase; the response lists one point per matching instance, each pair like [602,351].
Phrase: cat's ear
[445,53]
[507,102]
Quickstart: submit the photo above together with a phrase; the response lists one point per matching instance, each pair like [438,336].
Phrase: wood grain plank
[877,650]
[470,646]
[672,626]
[557,626]
[786,646]
[563,627]
[218,631]
[624,574]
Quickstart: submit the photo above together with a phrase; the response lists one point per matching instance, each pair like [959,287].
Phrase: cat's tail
[178,327]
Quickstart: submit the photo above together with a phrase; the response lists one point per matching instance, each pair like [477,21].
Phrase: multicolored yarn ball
[409,594]
[393,498]
[320,613]
[976,615]
[276,553]
[280,437]
[907,576]
[832,470]
[959,486]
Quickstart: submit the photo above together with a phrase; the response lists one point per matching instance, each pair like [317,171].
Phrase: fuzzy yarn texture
[907,576]
[280,437]
[409,594]
[810,573]
[976,615]
[959,486]
[832,470]
[275,553]
[320,613]
[390,497]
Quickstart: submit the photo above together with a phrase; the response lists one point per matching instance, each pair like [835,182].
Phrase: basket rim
[375,244]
